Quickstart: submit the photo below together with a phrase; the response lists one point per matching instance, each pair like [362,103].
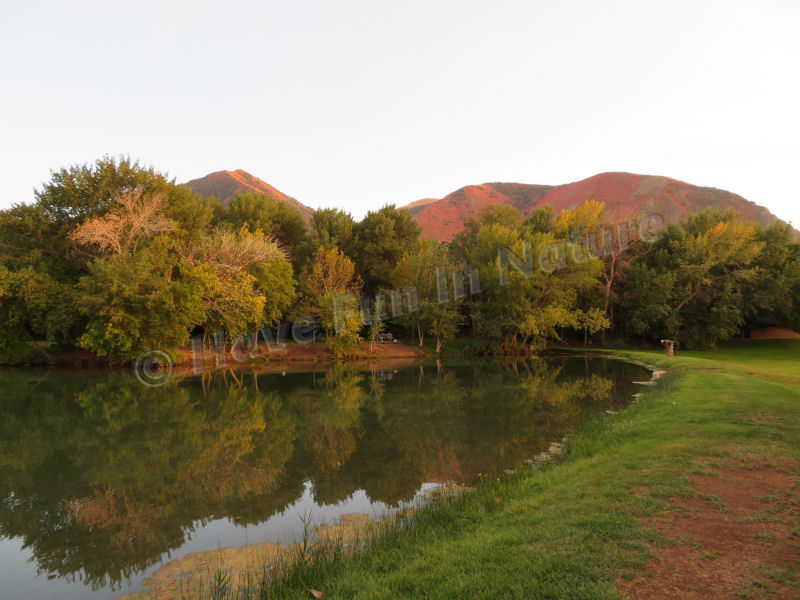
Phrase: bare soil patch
[302,357]
[737,537]
[773,333]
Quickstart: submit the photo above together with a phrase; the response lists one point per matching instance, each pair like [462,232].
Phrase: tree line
[115,258]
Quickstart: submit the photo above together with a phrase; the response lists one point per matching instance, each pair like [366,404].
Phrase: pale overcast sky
[359,104]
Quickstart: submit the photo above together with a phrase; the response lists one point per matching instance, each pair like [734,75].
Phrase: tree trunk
[35,343]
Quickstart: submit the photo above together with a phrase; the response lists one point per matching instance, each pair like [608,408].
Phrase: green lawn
[771,358]
[569,531]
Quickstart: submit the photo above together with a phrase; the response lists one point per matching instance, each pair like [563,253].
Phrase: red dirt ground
[738,537]
[311,356]
[773,333]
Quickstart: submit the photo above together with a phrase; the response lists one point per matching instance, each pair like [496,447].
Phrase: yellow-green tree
[324,282]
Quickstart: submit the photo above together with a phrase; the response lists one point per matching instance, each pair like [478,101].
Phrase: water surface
[104,480]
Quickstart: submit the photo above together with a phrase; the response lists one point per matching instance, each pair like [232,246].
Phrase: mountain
[624,194]
[224,185]
[420,203]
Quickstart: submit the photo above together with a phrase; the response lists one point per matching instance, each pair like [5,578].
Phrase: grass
[772,359]
[569,531]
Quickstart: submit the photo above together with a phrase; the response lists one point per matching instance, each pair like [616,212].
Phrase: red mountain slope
[624,195]
[226,184]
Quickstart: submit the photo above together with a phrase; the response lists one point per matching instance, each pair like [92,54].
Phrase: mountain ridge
[224,185]
[624,194]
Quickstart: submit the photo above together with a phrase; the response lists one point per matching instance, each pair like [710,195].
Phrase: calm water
[103,480]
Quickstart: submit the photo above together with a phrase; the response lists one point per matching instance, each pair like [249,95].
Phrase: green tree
[33,306]
[539,221]
[533,306]
[381,240]
[82,214]
[376,329]
[691,284]
[444,319]
[82,191]
[330,228]
[132,304]
[417,268]
[271,216]
[772,297]
[618,247]
[463,245]
[75,194]
[243,279]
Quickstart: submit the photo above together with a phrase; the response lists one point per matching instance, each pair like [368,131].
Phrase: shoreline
[606,516]
[194,573]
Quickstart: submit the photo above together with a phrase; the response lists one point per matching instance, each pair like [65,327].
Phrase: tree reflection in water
[100,475]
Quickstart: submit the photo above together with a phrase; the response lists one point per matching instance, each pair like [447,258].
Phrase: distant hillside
[224,185]
[624,195]
[419,204]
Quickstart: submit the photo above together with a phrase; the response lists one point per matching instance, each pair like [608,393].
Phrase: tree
[330,272]
[271,216]
[329,276]
[33,306]
[464,243]
[772,297]
[526,309]
[381,240]
[589,227]
[342,327]
[444,320]
[691,284]
[376,329]
[275,278]
[135,217]
[330,228]
[37,234]
[88,212]
[243,278]
[501,214]
[28,239]
[539,221]
[133,305]
[432,316]
[418,268]
[81,191]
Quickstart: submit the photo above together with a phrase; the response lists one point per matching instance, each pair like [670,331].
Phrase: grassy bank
[575,530]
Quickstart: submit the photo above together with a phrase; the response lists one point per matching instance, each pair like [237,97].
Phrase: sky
[357,104]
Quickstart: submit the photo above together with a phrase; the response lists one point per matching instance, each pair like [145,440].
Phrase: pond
[104,481]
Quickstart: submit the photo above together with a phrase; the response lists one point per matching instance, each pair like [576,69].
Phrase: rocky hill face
[624,194]
[224,185]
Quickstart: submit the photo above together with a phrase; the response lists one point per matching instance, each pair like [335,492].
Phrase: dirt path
[737,537]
